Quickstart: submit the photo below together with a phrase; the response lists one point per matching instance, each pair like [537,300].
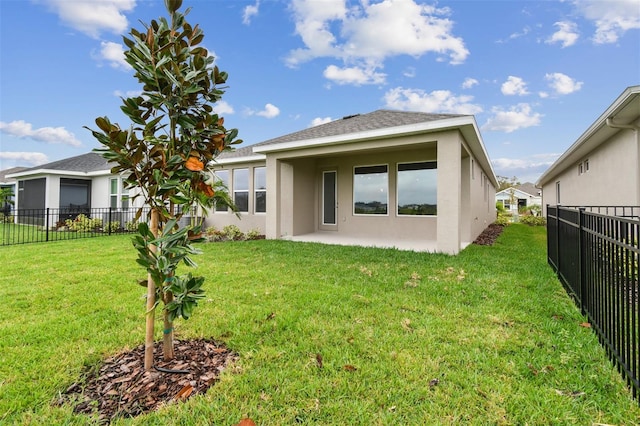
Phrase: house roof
[375,125]
[524,190]
[5,172]
[86,164]
[624,112]
[351,124]
[529,188]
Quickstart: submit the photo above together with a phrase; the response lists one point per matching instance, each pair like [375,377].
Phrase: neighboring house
[10,184]
[601,168]
[74,185]
[520,196]
[391,175]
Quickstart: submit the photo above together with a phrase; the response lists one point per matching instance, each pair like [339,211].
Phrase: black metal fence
[595,253]
[23,226]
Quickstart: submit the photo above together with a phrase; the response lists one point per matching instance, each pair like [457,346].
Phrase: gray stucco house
[390,175]
[602,167]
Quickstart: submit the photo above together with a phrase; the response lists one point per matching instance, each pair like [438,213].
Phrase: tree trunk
[151,301]
[167,335]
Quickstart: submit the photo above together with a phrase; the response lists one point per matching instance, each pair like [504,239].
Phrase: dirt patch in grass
[489,235]
[122,388]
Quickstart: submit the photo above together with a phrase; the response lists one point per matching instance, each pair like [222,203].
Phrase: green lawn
[492,325]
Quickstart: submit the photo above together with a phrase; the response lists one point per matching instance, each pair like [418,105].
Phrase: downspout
[636,131]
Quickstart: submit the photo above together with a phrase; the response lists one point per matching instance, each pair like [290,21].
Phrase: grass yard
[486,337]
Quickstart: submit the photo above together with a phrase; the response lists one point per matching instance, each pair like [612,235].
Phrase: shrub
[213,234]
[254,234]
[83,223]
[112,226]
[500,207]
[131,226]
[503,220]
[232,232]
[533,220]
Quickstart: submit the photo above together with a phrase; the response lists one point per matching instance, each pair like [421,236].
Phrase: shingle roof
[379,119]
[90,162]
[529,188]
[5,172]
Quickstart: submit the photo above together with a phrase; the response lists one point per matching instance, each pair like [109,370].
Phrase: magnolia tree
[167,154]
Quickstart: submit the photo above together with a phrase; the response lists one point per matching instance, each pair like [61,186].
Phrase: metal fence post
[109,224]
[46,224]
[581,282]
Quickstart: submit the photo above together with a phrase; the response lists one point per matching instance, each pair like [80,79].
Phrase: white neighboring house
[602,167]
[75,185]
[517,197]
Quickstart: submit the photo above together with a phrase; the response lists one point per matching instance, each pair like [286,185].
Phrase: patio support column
[449,192]
[274,195]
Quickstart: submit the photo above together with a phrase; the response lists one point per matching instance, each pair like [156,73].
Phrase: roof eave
[406,130]
[598,132]
[36,172]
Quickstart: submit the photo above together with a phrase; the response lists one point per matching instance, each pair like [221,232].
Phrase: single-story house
[383,178]
[388,176]
[8,183]
[74,185]
[602,167]
[516,197]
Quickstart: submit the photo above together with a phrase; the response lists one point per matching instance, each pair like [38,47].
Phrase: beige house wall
[612,179]
[465,197]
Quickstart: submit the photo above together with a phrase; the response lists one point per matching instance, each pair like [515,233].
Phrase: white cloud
[526,30]
[527,169]
[353,75]
[611,18]
[567,34]
[127,94]
[30,158]
[93,17]
[222,107]
[438,101]
[269,111]
[249,12]
[468,83]
[24,130]
[113,53]
[562,84]
[320,120]
[369,32]
[409,72]
[517,117]
[514,86]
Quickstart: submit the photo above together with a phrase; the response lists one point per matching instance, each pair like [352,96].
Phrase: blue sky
[536,74]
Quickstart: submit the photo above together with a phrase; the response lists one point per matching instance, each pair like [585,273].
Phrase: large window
[241,189]
[223,177]
[75,193]
[370,190]
[417,189]
[260,189]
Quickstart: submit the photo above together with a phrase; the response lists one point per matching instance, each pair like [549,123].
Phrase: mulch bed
[489,235]
[122,388]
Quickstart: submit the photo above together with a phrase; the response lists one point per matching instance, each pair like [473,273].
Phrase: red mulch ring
[489,235]
[122,388]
